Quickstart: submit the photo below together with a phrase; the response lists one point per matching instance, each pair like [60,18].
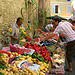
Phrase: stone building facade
[10,10]
[61,8]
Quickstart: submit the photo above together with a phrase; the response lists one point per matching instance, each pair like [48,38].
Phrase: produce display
[40,52]
[12,69]
[32,57]
[58,61]
[4,59]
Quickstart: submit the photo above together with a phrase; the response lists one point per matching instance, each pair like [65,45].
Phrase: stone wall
[10,10]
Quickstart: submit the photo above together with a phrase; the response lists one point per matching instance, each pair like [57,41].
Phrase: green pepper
[25,54]
[38,56]
[1,54]
[34,55]
[30,55]
[46,62]
[2,66]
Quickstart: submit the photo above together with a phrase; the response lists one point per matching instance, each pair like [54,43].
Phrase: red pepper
[45,57]
[36,45]
[33,45]
[38,52]
[28,38]
[43,54]
[27,45]
[49,59]
[35,52]
[30,47]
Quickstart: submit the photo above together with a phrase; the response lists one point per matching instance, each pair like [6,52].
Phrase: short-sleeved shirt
[15,32]
[65,28]
[48,27]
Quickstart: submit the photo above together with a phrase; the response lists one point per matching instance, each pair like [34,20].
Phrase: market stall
[32,57]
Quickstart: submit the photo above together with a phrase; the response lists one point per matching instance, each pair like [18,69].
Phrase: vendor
[67,29]
[15,30]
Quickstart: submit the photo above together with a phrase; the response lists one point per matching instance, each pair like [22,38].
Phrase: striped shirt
[65,28]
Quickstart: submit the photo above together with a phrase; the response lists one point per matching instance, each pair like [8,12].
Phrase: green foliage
[2,66]
[34,55]
[1,73]
[1,54]
[22,13]
[26,4]
[35,21]
[46,62]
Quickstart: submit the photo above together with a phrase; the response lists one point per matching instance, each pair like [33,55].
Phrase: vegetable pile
[40,52]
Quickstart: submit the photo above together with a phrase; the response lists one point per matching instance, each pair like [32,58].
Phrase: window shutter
[68,9]
[54,8]
[51,8]
[59,9]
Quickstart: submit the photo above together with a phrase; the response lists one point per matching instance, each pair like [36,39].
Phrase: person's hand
[42,38]
[73,27]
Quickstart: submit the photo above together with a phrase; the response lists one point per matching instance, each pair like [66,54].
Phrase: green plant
[35,21]
[1,73]
[2,66]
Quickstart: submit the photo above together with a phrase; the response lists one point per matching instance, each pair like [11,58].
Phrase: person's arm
[73,27]
[57,30]
[47,37]
[14,37]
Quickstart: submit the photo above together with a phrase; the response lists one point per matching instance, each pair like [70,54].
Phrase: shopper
[15,30]
[67,30]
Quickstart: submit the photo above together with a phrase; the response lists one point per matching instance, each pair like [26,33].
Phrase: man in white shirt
[48,27]
[66,29]
[15,30]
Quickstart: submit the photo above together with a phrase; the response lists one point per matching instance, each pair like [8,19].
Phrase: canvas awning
[51,17]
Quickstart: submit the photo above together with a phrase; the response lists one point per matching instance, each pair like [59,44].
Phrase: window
[57,9]
[68,9]
[68,0]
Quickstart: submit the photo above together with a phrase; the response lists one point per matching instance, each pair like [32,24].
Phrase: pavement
[70,73]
